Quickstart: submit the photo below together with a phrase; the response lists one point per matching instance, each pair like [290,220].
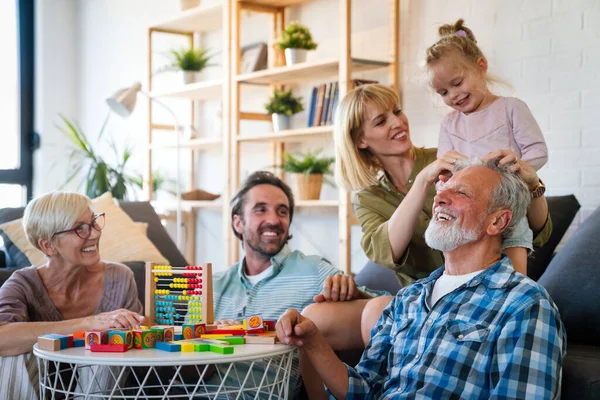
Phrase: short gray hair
[512,193]
[51,213]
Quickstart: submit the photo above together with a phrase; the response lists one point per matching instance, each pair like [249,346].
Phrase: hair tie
[461,33]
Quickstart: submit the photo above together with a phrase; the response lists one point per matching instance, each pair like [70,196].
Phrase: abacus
[174,293]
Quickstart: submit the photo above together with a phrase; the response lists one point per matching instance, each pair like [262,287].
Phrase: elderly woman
[74,290]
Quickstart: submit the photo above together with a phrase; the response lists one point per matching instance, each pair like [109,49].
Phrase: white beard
[448,238]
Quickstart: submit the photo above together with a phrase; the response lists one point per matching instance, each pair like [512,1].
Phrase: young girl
[482,121]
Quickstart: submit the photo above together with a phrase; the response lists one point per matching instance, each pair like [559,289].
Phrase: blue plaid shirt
[497,336]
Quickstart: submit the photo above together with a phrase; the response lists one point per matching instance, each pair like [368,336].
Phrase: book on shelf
[324,100]
[311,107]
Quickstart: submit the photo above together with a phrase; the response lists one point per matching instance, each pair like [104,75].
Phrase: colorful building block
[238,332]
[160,334]
[216,348]
[200,347]
[109,348]
[267,338]
[50,342]
[191,331]
[177,336]
[168,333]
[78,342]
[95,337]
[144,339]
[121,337]
[253,322]
[269,325]
[168,346]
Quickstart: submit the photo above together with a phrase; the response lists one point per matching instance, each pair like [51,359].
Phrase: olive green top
[375,205]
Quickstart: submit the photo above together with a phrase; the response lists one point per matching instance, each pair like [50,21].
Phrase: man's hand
[293,328]
[339,288]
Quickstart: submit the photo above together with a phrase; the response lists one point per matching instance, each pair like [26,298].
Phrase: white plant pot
[189,77]
[281,122]
[295,56]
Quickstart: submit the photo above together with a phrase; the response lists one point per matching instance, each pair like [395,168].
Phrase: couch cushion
[377,277]
[143,211]
[562,209]
[581,373]
[122,239]
[573,281]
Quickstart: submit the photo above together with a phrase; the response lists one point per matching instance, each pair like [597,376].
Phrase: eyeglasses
[85,230]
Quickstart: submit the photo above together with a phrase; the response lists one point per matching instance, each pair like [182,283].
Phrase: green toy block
[215,348]
[233,339]
[199,347]
[160,334]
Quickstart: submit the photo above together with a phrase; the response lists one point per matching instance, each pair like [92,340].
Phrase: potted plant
[296,41]
[282,105]
[100,176]
[307,173]
[190,62]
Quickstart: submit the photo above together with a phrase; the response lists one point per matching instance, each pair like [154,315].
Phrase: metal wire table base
[266,378]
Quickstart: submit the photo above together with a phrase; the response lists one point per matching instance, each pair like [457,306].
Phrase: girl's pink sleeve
[444,143]
[528,135]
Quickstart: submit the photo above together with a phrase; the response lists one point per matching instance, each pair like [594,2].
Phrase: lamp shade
[123,101]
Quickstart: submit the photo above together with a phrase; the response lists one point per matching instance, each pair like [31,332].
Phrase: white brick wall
[549,51]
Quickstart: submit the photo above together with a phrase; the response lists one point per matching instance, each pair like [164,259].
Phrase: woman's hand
[120,318]
[516,165]
[440,167]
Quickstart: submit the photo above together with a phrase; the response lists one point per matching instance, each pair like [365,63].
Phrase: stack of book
[323,102]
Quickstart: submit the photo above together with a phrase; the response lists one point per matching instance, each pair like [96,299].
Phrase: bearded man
[473,329]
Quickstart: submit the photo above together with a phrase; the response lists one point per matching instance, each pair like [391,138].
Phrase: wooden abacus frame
[207,291]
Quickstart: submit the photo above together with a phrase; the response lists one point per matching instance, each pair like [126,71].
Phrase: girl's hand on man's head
[515,165]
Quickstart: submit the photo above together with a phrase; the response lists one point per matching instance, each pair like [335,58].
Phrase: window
[16,102]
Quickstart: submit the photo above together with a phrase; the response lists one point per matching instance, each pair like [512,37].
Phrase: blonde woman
[395,187]
[74,290]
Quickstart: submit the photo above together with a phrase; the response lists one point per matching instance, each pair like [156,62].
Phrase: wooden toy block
[234,340]
[47,342]
[78,342]
[168,333]
[188,347]
[253,322]
[70,341]
[213,341]
[109,348]
[255,331]
[177,336]
[121,337]
[215,348]
[208,328]
[144,339]
[240,332]
[269,325]
[191,331]
[260,339]
[236,327]
[95,337]
[215,335]
[168,346]
[160,333]
[79,335]
[200,347]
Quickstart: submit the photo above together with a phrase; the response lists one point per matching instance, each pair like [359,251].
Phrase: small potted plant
[295,41]
[307,173]
[190,62]
[282,105]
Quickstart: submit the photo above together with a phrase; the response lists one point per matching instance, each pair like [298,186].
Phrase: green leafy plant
[296,36]
[100,177]
[190,59]
[284,102]
[307,163]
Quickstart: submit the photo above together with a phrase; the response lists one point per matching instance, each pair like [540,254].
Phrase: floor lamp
[123,103]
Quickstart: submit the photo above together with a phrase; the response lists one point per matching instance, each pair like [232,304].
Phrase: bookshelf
[340,69]
[191,24]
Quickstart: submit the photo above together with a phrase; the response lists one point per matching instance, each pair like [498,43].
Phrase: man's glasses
[85,230]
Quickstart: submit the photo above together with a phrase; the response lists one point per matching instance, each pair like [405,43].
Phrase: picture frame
[253,58]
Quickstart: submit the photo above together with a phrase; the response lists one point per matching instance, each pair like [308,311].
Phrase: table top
[153,357]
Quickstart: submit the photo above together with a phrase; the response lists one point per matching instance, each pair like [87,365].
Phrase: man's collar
[277,261]
[494,277]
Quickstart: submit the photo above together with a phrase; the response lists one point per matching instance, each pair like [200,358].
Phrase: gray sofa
[572,277]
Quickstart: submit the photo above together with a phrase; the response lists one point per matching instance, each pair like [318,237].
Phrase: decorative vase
[307,187]
[189,77]
[281,122]
[295,56]
[186,4]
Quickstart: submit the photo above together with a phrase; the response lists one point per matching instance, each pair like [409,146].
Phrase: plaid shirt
[497,336]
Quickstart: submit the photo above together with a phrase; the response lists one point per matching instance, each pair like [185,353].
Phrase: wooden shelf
[194,144]
[198,19]
[307,71]
[292,135]
[205,90]
[317,203]
[274,3]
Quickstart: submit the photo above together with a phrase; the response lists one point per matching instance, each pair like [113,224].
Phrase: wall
[547,49]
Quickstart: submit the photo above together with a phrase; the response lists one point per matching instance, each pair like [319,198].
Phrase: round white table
[253,371]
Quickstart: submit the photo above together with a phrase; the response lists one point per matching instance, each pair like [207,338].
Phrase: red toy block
[109,348]
[269,325]
[234,332]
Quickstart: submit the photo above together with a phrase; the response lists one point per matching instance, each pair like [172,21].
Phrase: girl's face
[463,89]
[385,133]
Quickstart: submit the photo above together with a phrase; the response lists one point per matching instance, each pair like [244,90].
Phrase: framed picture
[254,57]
